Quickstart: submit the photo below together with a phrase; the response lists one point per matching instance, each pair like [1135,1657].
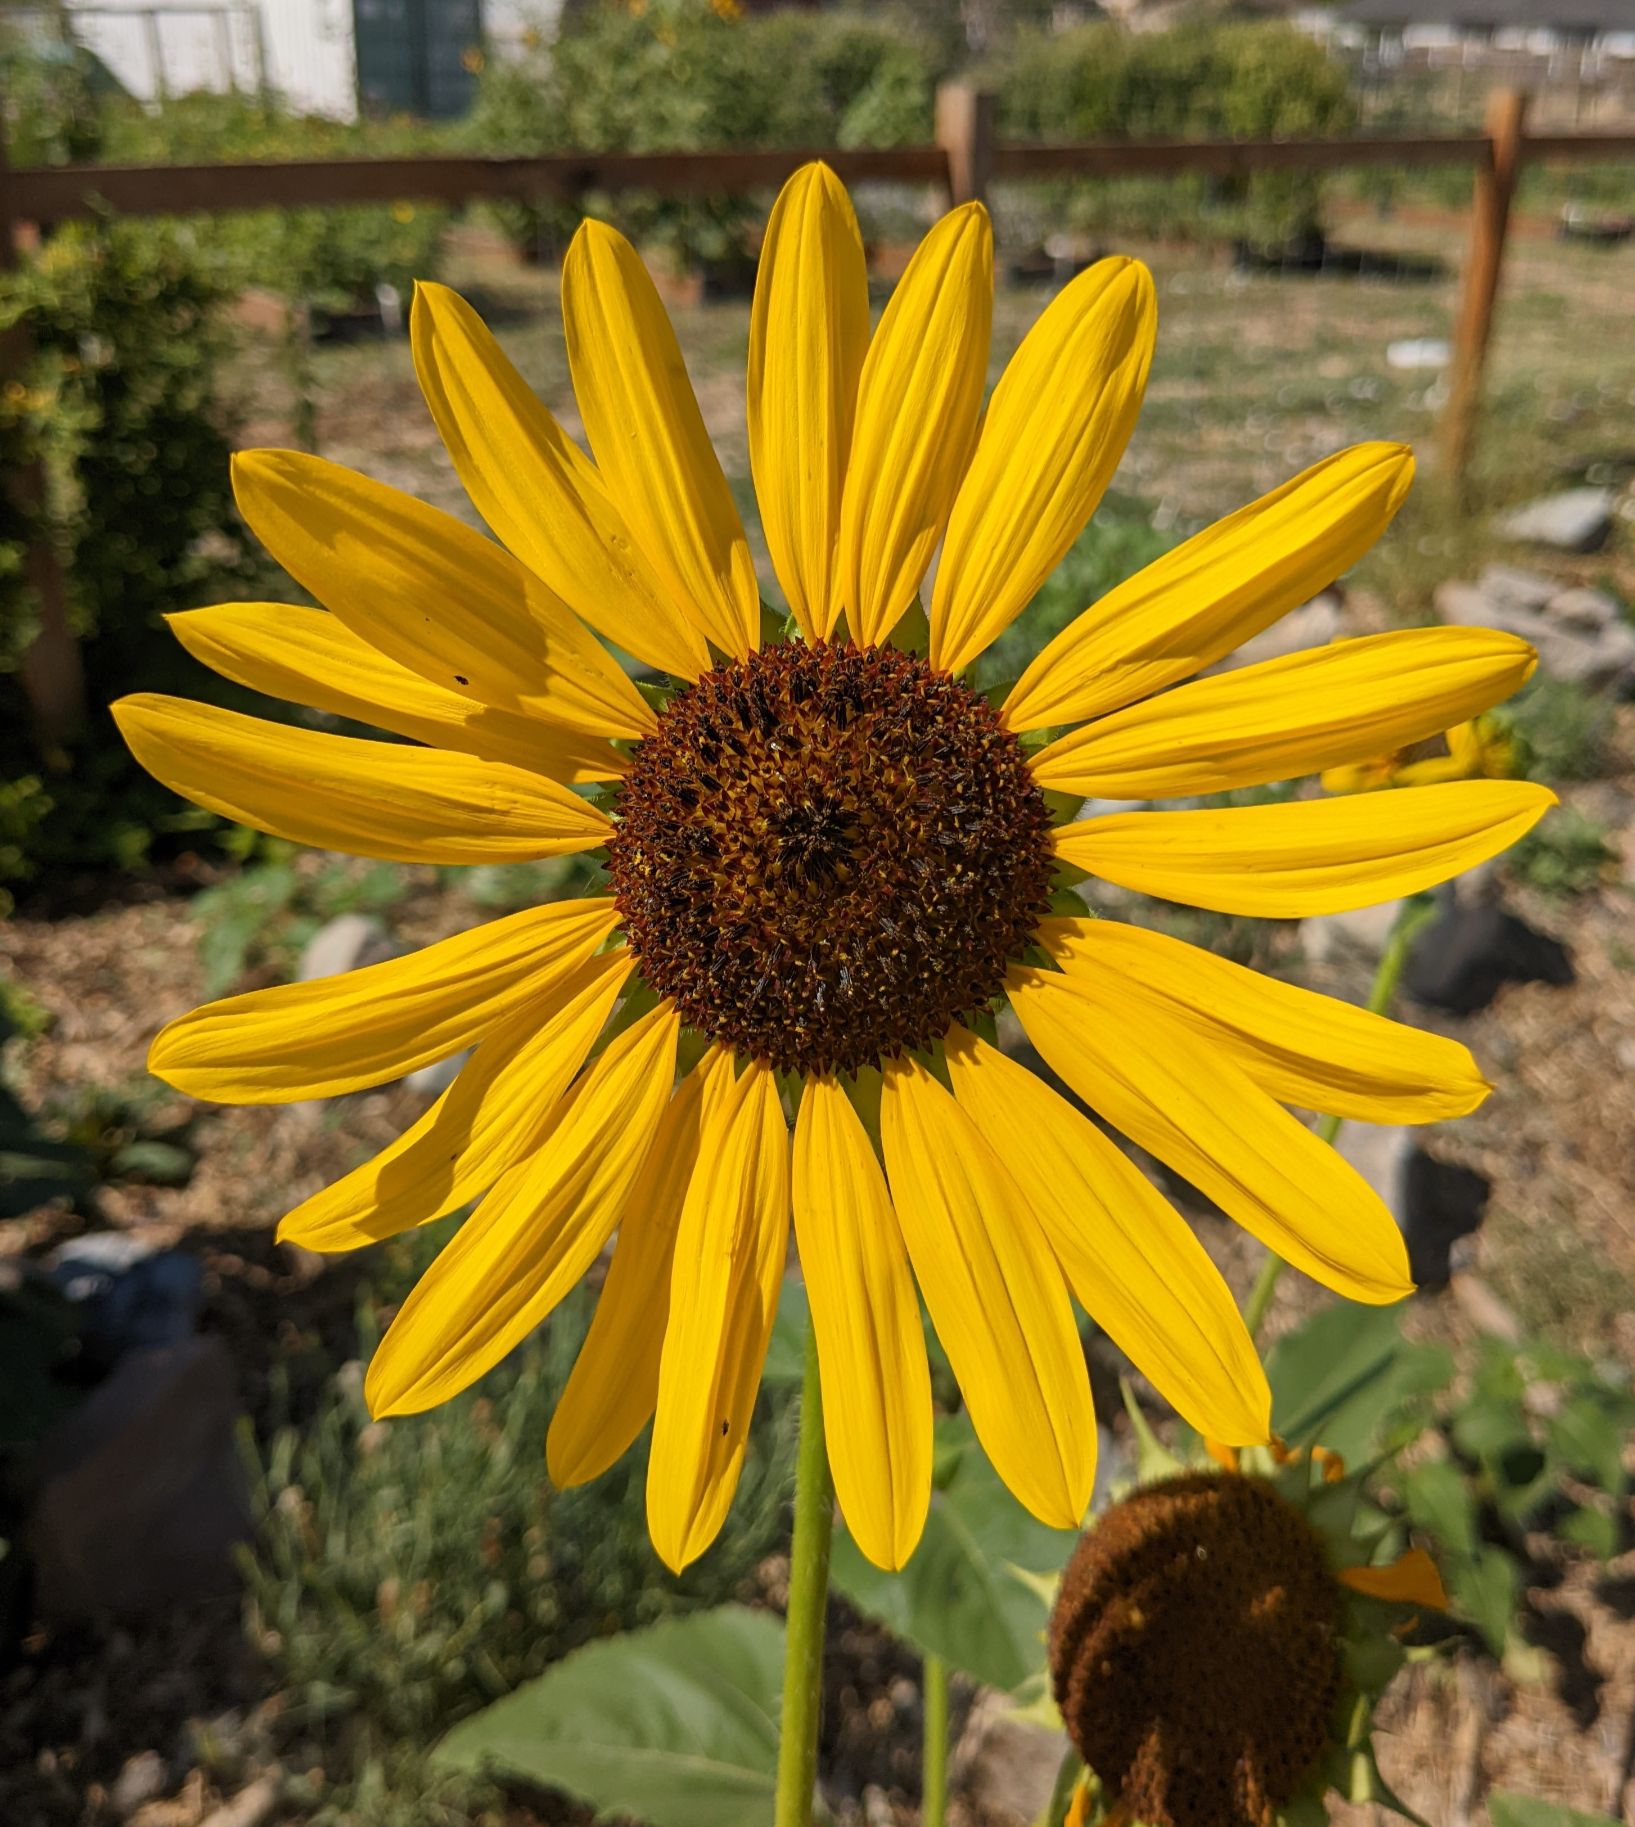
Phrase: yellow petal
[491,1116]
[384,799]
[807,335]
[1411,1579]
[537,489]
[1051,438]
[649,440]
[536,1233]
[1134,1264]
[1305,1049]
[917,406]
[610,1396]
[1194,1109]
[1307,856]
[365,1027]
[871,1344]
[1289,717]
[995,1294]
[729,1262]
[433,594]
[306,656]
[1195,604]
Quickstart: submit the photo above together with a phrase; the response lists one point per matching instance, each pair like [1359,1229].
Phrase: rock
[134,1296]
[1597,655]
[142,1491]
[1516,588]
[1009,1769]
[1435,1203]
[1313,624]
[1575,520]
[1462,959]
[435,1079]
[1360,933]
[1417,353]
[1585,608]
[142,1778]
[250,1807]
[346,943]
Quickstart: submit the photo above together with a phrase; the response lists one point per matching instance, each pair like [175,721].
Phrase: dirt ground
[1256,376]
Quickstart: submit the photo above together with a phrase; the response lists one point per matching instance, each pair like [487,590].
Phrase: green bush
[1197,81]
[119,406]
[329,258]
[682,75]
[409,1572]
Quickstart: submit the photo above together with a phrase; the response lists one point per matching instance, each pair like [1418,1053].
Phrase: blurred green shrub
[684,75]
[1566,854]
[1228,80]
[330,259]
[120,407]
[407,1573]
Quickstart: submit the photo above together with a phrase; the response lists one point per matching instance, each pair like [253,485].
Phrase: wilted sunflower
[828,861]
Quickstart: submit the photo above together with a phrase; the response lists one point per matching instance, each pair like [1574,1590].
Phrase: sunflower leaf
[676,1725]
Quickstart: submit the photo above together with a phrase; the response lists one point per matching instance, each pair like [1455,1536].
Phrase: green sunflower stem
[808,1603]
[1061,1797]
[934,1784]
[1382,993]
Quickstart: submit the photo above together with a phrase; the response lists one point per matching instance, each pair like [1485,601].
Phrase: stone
[139,1781]
[346,943]
[1313,624]
[1582,607]
[133,1295]
[435,1079]
[1469,951]
[1575,520]
[1519,589]
[1360,933]
[1009,1769]
[1436,1203]
[1598,656]
[141,1497]
[1415,354]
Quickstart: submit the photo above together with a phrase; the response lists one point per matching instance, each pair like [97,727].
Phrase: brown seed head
[1195,1653]
[827,854]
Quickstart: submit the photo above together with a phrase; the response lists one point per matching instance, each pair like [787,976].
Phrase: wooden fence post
[964,130]
[1484,262]
[51,671]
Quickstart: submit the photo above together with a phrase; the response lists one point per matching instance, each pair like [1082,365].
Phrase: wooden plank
[1484,263]
[1133,158]
[964,129]
[1577,146]
[48,195]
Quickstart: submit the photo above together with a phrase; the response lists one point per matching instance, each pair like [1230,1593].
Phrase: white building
[317,56]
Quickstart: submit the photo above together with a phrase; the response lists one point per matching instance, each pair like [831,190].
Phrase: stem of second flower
[1382,993]
[808,1604]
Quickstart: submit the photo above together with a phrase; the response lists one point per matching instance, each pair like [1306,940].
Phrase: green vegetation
[1214,81]
[1566,854]
[688,75]
[409,1572]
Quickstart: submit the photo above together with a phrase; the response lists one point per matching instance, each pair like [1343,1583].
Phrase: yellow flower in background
[829,862]
[1481,749]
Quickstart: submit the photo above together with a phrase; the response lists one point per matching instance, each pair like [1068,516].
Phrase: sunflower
[829,862]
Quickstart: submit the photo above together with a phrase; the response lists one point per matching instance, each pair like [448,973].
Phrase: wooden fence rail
[965,160]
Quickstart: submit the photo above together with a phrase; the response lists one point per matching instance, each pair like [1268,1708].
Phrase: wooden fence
[964,161]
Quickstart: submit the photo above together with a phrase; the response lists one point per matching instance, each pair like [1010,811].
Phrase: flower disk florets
[826,854]
[1195,1651]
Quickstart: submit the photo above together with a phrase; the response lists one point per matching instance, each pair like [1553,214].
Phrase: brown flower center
[827,854]
[1195,1653]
